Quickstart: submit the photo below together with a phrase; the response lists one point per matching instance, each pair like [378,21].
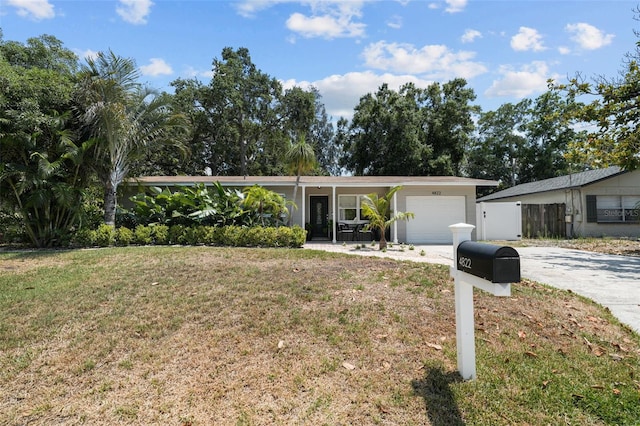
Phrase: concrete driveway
[612,281]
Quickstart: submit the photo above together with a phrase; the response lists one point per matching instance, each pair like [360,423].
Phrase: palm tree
[377,210]
[124,118]
[300,159]
[46,181]
[265,201]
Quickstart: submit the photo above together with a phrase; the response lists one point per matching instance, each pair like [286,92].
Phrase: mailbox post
[488,267]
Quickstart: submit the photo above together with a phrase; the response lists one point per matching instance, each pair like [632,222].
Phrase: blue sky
[506,50]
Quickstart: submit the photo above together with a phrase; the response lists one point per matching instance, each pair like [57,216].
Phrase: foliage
[190,205]
[524,142]
[377,210]
[497,151]
[240,101]
[124,236]
[142,235]
[614,113]
[208,206]
[11,228]
[104,236]
[241,121]
[231,236]
[410,132]
[42,173]
[123,118]
[160,234]
[301,159]
[322,137]
[270,207]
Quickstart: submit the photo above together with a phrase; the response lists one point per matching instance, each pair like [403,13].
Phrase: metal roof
[575,180]
[342,181]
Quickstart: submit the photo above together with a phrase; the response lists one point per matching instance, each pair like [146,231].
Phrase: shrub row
[232,236]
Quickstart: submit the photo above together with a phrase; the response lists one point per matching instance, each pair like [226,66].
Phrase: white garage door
[433,217]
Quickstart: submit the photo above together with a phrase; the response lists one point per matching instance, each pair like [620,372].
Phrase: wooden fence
[543,220]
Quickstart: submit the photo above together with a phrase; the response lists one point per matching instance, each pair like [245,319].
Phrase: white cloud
[33,9]
[198,74]
[341,93]
[564,50]
[134,11]
[470,35]
[329,19]
[156,67]
[249,8]
[454,6]
[527,39]
[86,54]
[587,36]
[530,79]
[324,26]
[395,22]
[436,61]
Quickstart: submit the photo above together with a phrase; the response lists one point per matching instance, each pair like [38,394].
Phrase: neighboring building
[325,201]
[596,203]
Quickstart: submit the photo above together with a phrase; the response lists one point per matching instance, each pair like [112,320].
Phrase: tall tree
[384,137]
[301,159]
[411,132]
[548,134]
[447,124]
[124,117]
[321,137]
[42,174]
[497,151]
[242,103]
[614,112]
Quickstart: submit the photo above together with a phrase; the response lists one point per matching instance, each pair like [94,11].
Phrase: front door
[319,215]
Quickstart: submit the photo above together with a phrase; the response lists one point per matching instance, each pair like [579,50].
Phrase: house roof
[575,180]
[341,181]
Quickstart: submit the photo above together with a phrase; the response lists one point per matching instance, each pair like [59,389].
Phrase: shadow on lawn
[440,403]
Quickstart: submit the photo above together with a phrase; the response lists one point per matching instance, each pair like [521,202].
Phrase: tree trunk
[110,201]
[295,194]
[383,239]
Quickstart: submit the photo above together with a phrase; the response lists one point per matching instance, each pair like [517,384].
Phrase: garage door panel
[433,216]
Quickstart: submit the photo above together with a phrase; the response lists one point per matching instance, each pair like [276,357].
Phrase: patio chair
[364,234]
[344,230]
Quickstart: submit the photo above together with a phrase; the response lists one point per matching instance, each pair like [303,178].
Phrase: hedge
[230,236]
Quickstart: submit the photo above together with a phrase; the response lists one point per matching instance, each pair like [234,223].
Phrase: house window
[613,209]
[350,208]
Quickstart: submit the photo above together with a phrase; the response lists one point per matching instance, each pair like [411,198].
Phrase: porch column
[304,207]
[333,212]
[395,224]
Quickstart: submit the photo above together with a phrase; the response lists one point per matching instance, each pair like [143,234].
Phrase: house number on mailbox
[465,262]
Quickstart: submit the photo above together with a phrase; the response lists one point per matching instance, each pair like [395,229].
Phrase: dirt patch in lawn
[200,336]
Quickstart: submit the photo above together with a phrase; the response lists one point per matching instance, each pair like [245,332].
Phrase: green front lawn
[204,335]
